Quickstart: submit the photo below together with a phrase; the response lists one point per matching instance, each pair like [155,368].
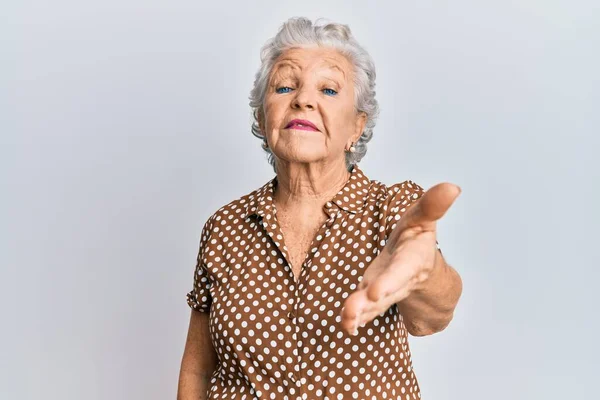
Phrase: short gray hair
[301,32]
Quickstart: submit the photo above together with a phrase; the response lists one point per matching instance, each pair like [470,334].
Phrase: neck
[306,185]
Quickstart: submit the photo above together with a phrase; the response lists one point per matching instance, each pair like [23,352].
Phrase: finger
[375,269]
[382,307]
[351,320]
[358,310]
[353,307]
[430,207]
[371,315]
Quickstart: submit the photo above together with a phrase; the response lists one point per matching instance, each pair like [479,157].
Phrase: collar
[351,198]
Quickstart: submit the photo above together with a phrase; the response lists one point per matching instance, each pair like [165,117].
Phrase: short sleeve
[402,196]
[199,297]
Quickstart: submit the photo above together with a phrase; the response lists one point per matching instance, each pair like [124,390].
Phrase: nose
[303,100]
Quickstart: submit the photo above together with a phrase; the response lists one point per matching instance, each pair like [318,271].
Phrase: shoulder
[226,216]
[407,191]
[235,210]
[395,199]
[395,194]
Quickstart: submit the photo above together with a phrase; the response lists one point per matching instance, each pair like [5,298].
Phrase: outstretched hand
[405,262]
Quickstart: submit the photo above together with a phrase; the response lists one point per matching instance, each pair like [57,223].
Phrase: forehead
[313,58]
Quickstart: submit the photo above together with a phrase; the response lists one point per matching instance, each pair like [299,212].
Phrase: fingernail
[354,329]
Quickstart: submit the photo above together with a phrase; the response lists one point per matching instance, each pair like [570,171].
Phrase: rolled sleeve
[199,297]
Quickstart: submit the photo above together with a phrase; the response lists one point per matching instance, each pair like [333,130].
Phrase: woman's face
[314,84]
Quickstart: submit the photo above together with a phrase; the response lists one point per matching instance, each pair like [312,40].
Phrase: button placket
[271,226]
[303,277]
[298,283]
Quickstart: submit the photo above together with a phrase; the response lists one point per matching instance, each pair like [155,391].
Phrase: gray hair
[301,32]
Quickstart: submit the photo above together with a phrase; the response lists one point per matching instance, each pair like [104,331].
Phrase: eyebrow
[290,62]
[334,66]
[285,63]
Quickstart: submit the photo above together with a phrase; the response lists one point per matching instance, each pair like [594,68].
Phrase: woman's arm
[430,308]
[199,360]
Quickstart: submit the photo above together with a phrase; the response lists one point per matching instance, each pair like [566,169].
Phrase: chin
[301,157]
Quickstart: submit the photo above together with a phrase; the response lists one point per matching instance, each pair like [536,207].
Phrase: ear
[361,122]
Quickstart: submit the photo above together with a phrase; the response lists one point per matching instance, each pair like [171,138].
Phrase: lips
[301,124]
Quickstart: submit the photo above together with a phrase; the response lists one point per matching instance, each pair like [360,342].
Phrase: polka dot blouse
[278,336]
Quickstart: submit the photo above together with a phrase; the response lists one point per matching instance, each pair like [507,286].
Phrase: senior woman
[308,287]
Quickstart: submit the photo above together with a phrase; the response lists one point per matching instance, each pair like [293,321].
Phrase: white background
[125,124]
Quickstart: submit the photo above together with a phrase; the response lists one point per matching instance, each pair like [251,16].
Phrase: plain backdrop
[125,124]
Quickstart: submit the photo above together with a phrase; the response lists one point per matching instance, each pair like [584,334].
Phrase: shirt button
[291,315]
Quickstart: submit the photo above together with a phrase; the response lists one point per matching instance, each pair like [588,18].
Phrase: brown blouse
[278,336]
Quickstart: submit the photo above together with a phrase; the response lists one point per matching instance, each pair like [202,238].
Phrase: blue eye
[285,87]
[334,92]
